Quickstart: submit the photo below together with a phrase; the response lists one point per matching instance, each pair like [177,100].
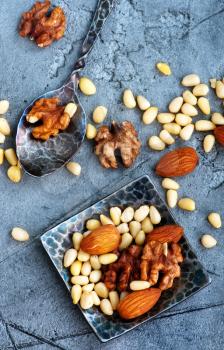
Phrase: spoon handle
[103,10]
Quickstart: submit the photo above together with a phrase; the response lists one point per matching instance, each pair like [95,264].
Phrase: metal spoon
[39,158]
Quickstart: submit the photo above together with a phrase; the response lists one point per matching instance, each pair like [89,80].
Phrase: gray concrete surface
[35,309]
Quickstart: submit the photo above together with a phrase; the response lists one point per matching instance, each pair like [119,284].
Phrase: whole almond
[190,80]
[166,234]
[101,240]
[219,134]
[138,303]
[179,162]
[175,104]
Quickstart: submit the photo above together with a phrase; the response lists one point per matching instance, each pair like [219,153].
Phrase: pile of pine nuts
[88,288]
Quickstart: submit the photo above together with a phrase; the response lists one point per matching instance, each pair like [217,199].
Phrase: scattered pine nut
[87,86]
[172,198]
[208,143]
[208,241]
[128,99]
[91,132]
[19,234]
[170,184]
[172,128]
[164,118]
[4,106]
[156,143]
[70,109]
[189,110]
[150,115]
[200,90]
[218,118]
[2,138]
[4,127]
[99,114]
[189,97]
[190,80]
[143,103]
[219,89]
[74,168]
[187,132]
[204,105]
[212,83]
[14,173]
[187,204]
[175,104]
[215,220]
[164,68]
[1,156]
[166,137]
[11,156]
[204,125]
[183,119]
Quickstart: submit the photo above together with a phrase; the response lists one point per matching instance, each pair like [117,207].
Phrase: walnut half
[119,138]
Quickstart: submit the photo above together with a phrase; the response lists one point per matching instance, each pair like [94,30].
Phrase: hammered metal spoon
[39,158]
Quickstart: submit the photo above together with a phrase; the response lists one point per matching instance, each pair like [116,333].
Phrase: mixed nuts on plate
[116,262]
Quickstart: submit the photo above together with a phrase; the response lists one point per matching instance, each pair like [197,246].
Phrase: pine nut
[1,156]
[4,127]
[190,80]
[208,143]
[123,295]
[115,214]
[4,106]
[106,307]
[83,256]
[164,68]
[189,110]
[74,168]
[172,197]
[134,228]
[208,241]
[212,83]
[189,97]
[172,128]
[86,233]
[218,118]
[86,268]
[170,184]
[99,114]
[143,103]
[149,115]
[127,214]
[96,299]
[204,125]
[76,292]
[140,238]
[175,104]
[95,276]
[91,132]
[204,105]
[86,301]
[183,119]
[147,226]
[101,290]
[154,214]
[139,285]
[11,156]
[186,204]
[187,132]
[114,299]
[70,109]
[219,89]
[106,259]
[200,90]
[165,118]
[75,268]
[76,239]
[126,240]
[69,257]
[2,138]
[128,99]
[141,213]
[81,280]
[19,234]
[215,220]
[94,261]
[14,173]
[92,224]
[166,137]
[156,143]
[87,86]
[122,228]
[88,287]
[105,220]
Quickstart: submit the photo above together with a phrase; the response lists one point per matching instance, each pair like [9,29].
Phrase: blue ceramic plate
[141,191]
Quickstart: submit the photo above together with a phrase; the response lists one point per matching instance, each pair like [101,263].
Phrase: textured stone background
[35,309]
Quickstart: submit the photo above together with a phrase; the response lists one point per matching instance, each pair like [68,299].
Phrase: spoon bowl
[39,158]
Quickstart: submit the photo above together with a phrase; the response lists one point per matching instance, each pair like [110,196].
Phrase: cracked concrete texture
[36,311]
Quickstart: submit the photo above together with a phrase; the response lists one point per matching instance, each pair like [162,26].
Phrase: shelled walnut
[42,26]
[53,116]
[122,138]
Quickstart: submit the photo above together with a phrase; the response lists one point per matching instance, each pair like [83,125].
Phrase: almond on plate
[219,134]
[102,240]
[137,303]
[166,233]
[179,162]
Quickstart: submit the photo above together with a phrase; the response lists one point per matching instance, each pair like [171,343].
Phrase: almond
[219,134]
[166,233]
[179,162]
[138,303]
[102,240]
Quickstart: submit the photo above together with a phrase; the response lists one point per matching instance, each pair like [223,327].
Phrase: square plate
[141,191]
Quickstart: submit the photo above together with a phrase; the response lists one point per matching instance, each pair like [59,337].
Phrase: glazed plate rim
[107,197]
